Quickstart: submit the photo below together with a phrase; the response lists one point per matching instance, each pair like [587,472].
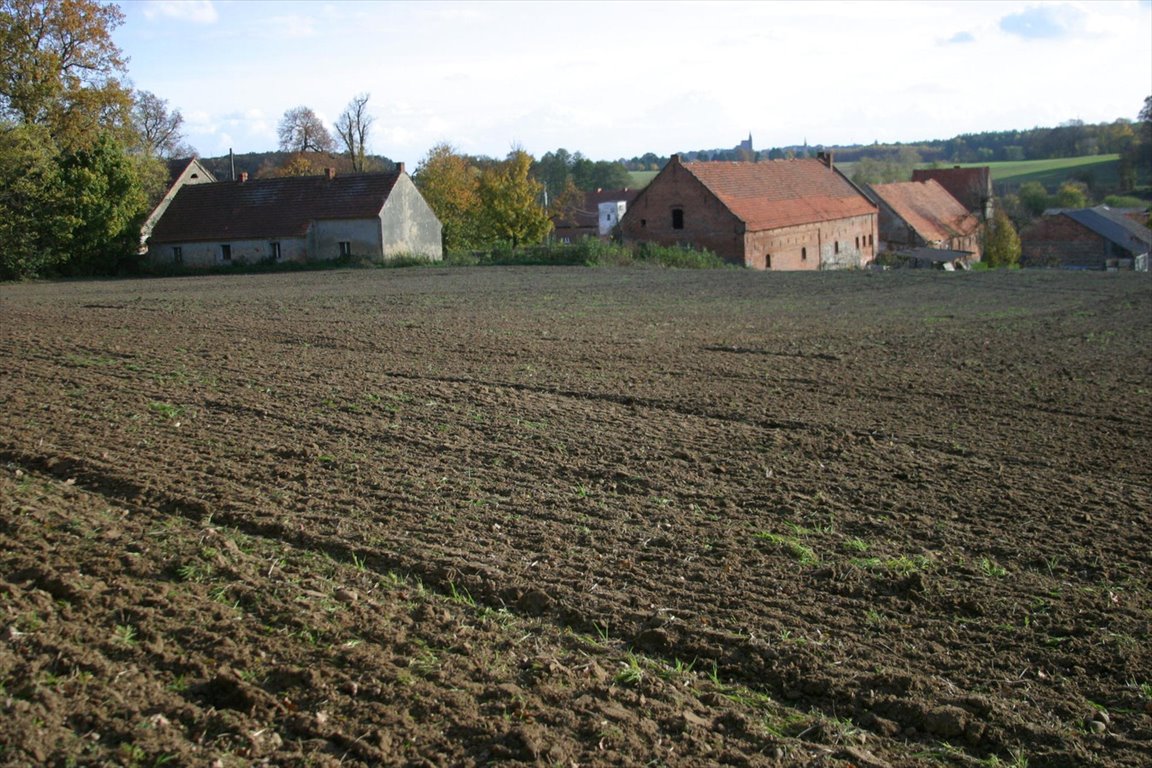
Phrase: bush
[591,252]
[1125,201]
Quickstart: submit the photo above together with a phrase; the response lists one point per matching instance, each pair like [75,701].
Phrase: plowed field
[577,517]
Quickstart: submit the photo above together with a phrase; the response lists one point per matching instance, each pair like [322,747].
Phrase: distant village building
[777,214]
[971,186]
[370,216]
[597,215]
[922,214]
[1086,238]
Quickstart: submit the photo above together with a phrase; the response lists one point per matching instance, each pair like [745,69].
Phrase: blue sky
[618,79]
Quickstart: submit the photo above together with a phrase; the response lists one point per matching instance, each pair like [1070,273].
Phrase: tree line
[1073,138]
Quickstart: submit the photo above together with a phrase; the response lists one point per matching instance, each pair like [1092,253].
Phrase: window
[803,254]
[767,261]
[857,242]
[643,223]
[177,255]
[836,246]
[274,251]
[345,248]
[226,253]
[677,218]
[869,241]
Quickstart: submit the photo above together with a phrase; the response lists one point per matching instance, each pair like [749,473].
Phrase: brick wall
[1058,241]
[706,222]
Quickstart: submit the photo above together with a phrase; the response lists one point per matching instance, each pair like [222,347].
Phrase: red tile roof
[270,208]
[781,193]
[928,208]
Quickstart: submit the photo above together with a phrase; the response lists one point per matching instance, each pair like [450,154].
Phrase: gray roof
[1114,226]
[270,208]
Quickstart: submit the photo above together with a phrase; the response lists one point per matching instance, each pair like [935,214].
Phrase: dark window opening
[836,246]
[677,218]
[643,223]
[803,254]
[226,253]
[177,254]
[345,248]
[767,261]
[869,241]
[857,242]
[274,251]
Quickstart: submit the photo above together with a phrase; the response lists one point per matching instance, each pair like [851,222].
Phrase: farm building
[596,216]
[1086,238]
[777,214]
[371,216]
[922,214]
[971,186]
[180,172]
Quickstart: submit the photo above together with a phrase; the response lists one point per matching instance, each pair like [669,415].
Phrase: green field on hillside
[641,179]
[1097,170]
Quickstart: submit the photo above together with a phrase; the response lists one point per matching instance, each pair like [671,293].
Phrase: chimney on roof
[329,173]
[400,168]
[825,156]
[674,159]
[243,177]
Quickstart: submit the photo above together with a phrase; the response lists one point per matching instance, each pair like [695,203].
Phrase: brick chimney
[329,173]
[825,157]
[400,168]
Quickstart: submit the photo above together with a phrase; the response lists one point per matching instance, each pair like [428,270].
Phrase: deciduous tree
[1034,197]
[301,130]
[159,129]
[1072,194]
[34,228]
[102,191]
[511,200]
[352,129]
[59,67]
[449,183]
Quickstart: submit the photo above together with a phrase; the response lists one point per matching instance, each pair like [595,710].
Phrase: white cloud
[195,11]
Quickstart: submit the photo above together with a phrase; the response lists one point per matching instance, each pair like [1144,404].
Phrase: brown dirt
[577,517]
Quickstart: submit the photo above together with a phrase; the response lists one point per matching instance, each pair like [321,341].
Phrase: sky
[618,79]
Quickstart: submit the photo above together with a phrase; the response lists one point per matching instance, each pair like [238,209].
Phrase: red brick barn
[776,214]
[922,214]
[1086,238]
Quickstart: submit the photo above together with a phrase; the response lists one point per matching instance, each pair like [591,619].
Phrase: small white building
[610,213]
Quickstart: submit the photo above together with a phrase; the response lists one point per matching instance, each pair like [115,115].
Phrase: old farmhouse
[370,216]
[922,214]
[1086,238]
[776,214]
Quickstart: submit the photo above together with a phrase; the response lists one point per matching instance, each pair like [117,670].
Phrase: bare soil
[577,517]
